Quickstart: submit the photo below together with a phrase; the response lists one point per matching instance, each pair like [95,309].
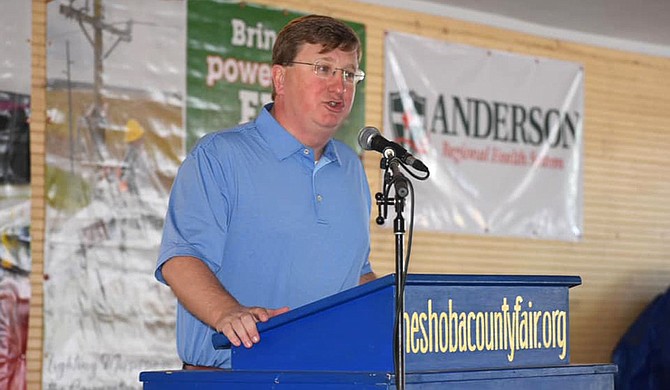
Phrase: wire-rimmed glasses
[325,70]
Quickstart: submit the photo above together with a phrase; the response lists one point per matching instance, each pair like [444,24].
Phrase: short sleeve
[198,212]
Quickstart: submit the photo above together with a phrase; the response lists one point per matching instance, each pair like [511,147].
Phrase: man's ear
[278,74]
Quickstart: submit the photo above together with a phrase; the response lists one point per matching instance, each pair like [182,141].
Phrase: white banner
[500,132]
[114,142]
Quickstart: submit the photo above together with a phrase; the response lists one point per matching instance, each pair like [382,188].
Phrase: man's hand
[369,277]
[201,293]
[239,323]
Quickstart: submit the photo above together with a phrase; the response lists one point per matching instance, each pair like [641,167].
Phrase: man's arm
[370,276]
[201,293]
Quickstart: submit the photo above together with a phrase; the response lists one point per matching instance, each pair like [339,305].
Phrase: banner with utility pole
[115,72]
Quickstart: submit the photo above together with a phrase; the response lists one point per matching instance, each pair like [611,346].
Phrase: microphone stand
[401,191]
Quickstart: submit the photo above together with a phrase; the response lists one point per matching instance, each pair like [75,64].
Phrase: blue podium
[460,331]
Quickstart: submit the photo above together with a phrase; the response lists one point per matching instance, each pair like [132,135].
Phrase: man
[272,214]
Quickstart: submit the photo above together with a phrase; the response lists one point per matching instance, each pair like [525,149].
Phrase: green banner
[229,67]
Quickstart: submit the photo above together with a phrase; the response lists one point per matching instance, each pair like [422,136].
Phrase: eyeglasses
[326,70]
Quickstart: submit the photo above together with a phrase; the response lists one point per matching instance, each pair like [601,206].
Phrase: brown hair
[313,29]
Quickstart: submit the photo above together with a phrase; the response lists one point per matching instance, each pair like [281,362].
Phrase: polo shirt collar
[330,152]
[282,143]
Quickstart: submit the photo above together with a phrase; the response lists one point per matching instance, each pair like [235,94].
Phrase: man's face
[316,105]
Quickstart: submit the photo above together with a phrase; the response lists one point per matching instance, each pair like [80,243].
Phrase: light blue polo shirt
[274,227]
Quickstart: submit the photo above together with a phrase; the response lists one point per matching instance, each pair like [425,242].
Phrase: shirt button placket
[318,197]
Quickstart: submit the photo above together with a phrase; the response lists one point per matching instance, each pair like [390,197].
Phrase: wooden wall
[38,204]
[624,256]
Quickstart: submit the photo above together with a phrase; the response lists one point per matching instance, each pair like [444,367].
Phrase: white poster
[115,137]
[500,132]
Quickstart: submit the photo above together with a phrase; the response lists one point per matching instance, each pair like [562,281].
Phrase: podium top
[220,341]
[487,280]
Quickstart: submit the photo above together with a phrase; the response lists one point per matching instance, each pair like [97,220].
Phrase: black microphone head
[365,137]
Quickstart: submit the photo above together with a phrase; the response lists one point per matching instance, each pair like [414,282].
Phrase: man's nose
[336,80]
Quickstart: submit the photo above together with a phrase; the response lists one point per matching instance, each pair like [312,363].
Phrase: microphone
[369,138]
